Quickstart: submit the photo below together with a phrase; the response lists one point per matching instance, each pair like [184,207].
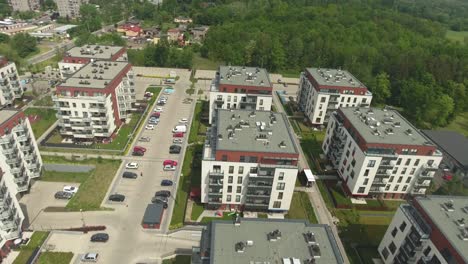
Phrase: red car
[139,149]
[178,134]
[170,162]
[447,176]
[157,114]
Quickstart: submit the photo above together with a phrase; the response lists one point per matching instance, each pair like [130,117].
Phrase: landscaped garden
[301,208]
[26,251]
[41,119]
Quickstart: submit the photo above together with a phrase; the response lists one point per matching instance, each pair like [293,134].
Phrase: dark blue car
[166,183]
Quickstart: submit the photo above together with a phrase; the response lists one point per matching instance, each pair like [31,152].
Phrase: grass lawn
[460,124]
[325,195]
[196,125]
[197,210]
[55,258]
[46,119]
[44,101]
[26,251]
[290,74]
[178,260]
[191,169]
[124,134]
[457,36]
[201,63]
[226,216]
[93,188]
[301,208]
[262,215]
[59,176]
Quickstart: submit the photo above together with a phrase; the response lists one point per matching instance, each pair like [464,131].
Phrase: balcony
[252,204]
[99,118]
[216,173]
[383,173]
[101,126]
[425,183]
[377,189]
[379,182]
[427,174]
[260,184]
[6,213]
[258,194]
[430,167]
[216,183]
[215,200]
[26,147]
[387,164]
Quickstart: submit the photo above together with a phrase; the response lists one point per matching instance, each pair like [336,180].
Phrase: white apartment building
[77,57]
[20,161]
[95,100]
[377,152]
[249,161]
[10,85]
[430,230]
[322,91]
[24,5]
[237,87]
[69,8]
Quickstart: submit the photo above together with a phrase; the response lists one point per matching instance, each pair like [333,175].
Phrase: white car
[90,257]
[158,110]
[149,127]
[70,189]
[169,168]
[177,141]
[131,165]
[183,120]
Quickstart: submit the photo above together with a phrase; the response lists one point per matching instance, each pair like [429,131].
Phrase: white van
[179,128]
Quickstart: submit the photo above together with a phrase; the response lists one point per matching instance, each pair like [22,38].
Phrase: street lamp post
[82,218]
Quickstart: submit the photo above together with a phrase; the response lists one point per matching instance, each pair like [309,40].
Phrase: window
[398,161]
[239,180]
[416,163]
[224,158]
[281,176]
[400,179]
[387,187]
[355,100]
[408,180]
[280,186]
[317,120]
[277,204]
[385,253]
[229,190]
[352,174]
[403,226]
[73,104]
[235,99]
[394,232]
[349,100]
[395,170]
[403,171]
[76,113]
[238,198]
[238,189]
[253,170]
[242,159]
[230,179]
[361,189]
[228,198]
[280,195]
[261,101]
[320,106]
[408,161]
[366,181]
[229,98]
[427,251]
[391,179]
[392,247]
[366,173]
[353,162]
[412,171]
[83,105]
[347,153]
[228,106]
[404,188]
[231,169]
[395,189]
[241,170]
[371,163]
[220,97]
[323,99]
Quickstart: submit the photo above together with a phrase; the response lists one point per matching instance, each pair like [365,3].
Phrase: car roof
[92,254]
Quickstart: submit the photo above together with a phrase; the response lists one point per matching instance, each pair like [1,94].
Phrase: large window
[229,190]
[231,169]
[277,204]
[385,253]
[370,164]
[392,247]
[228,198]
[280,186]
[403,226]
[230,179]
[241,170]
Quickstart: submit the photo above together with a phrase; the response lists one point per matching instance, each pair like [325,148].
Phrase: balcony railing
[430,167]
[216,173]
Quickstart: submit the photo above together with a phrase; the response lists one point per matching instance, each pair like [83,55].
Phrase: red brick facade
[262,157]
[11,123]
[231,88]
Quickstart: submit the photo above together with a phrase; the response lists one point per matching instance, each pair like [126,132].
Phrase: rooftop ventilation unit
[240,247]
[376,132]
[389,131]
[409,132]
[231,135]
[397,124]
[282,144]
[315,251]
[233,117]
[310,238]
[252,114]
[309,261]
[220,137]
[461,222]
[448,206]
[465,209]
[274,235]
[464,234]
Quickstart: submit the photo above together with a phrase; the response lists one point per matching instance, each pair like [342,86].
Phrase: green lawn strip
[193,136]
[93,189]
[178,260]
[123,135]
[55,258]
[201,63]
[457,36]
[46,119]
[59,176]
[26,251]
[325,194]
[197,210]
[301,208]
[459,124]
[226,216]
[44,101]
[262,215]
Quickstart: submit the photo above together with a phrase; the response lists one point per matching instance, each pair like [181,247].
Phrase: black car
[117,197]
[163,193]
[138,153]
[129,175]
[174,149]
[100,237]
[166,183]
[155,200]
[63,195]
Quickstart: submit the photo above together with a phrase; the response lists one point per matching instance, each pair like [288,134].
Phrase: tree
[49,5]
[4,38]
[90,18]
[24,44]
[381,88]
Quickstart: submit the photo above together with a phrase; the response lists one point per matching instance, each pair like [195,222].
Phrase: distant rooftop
[6,114]
[95,75]
[384,126]
[272,241]
[446,212]
[64,28]
[97,52]
[257,131]
[248,76]
[453,143]
[334,77]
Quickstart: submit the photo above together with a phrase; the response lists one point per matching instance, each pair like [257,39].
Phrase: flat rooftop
[97,52]
[6,114]
[334,77]
[453,143]
[292,244]
[384,126]
[446,221]
[241,75]
[255,131]
[95,75]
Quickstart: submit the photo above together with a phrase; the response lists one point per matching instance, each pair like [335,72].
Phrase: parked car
[153,200]
[90,257]
[158,109]
[157,114]
[177,141]
[139,148]
[166,183]
[153,121]
[178,134]
[129,175]
[70,189]
[174,149]
[63,195]
[100,237]
[159,198]
[163,193]
[447,176]
[169,168]
[170,162]
[117,197]
[144,139]
[179,128]
[149,127]
[131,165]
[138,153]
[183,120]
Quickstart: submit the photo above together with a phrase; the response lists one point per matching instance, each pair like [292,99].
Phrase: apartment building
[69,8]
[322,91]
[255,240]
[249,161]
[431,230]
[95,100]
[77,57]
[237,87]
[377,152]
[24,5]
[10,85]
[20,161]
